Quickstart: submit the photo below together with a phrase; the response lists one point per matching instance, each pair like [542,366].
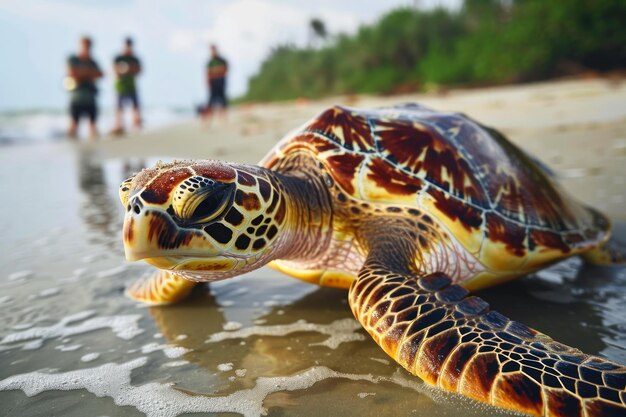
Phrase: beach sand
[71,344]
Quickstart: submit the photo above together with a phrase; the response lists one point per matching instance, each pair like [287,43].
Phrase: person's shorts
[130,97]
[217,95]
[78,110]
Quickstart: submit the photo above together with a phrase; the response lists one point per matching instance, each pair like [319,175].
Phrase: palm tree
[317,30]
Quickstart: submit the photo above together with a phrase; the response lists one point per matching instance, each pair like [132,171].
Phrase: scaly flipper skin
[611,253]
[437,332]
[162,287]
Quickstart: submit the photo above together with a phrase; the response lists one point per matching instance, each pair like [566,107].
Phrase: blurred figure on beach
[216,71]
[82,73]
[126,67]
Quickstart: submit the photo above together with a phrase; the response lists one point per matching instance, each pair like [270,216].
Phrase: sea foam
[163,400]
[339,331]
[123,326]
[172,352]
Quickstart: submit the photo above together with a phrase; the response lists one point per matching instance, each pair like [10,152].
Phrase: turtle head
[203,220]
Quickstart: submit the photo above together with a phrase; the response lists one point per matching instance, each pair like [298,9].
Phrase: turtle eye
[199,200]
[212,205]
[124,190]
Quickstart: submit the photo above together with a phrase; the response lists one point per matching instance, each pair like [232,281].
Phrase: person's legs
[221,108]
[217,100]
[92,113]
[209,108]
[119,115]
[134,98]
[221,102]
[207,112]
[74,117]
[224,98]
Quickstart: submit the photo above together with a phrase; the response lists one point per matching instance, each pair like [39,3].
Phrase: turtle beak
[129,240]
[150,232]
[131,231]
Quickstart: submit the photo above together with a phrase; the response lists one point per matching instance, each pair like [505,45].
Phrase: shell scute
[350,129]
[384,175]
[470,216]
[420,150]
[344,167]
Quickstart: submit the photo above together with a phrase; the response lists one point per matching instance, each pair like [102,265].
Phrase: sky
[171,39]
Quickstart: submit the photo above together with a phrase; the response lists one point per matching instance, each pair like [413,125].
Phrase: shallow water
[71,344]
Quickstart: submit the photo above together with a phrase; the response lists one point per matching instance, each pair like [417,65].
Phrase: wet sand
[72,345]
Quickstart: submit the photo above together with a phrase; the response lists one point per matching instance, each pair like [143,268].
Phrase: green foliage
[486,41]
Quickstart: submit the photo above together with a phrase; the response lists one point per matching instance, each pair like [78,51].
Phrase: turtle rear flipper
[162,287]
[435,331]
[613,252]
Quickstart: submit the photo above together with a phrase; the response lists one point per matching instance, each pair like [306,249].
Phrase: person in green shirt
[216,71]
[82,73]
[126,67]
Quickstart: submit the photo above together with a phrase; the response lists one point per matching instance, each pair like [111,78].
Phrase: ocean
[32,126]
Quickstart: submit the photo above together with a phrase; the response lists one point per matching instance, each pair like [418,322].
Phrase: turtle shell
[495,199]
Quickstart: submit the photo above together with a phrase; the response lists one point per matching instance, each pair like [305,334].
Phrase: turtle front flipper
[451,340]
[162,287]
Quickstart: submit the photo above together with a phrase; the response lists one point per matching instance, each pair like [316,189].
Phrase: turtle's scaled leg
[613,252]
[162,287]
[437,332]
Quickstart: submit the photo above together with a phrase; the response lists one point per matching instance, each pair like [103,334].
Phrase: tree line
[484,42]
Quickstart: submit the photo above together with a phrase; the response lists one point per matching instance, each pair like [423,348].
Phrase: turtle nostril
[136,205]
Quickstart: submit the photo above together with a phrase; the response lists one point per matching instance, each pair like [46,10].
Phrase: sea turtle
[410,209]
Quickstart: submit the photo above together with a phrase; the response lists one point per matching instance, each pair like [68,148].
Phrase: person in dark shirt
[126,67]
[82,73]
[216,71]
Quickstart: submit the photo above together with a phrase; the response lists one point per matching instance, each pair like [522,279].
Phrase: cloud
[183,41]
[172,40]
[246,30]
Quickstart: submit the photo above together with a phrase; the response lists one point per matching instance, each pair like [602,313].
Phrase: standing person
[126,67]
[82,73]
[217,68]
